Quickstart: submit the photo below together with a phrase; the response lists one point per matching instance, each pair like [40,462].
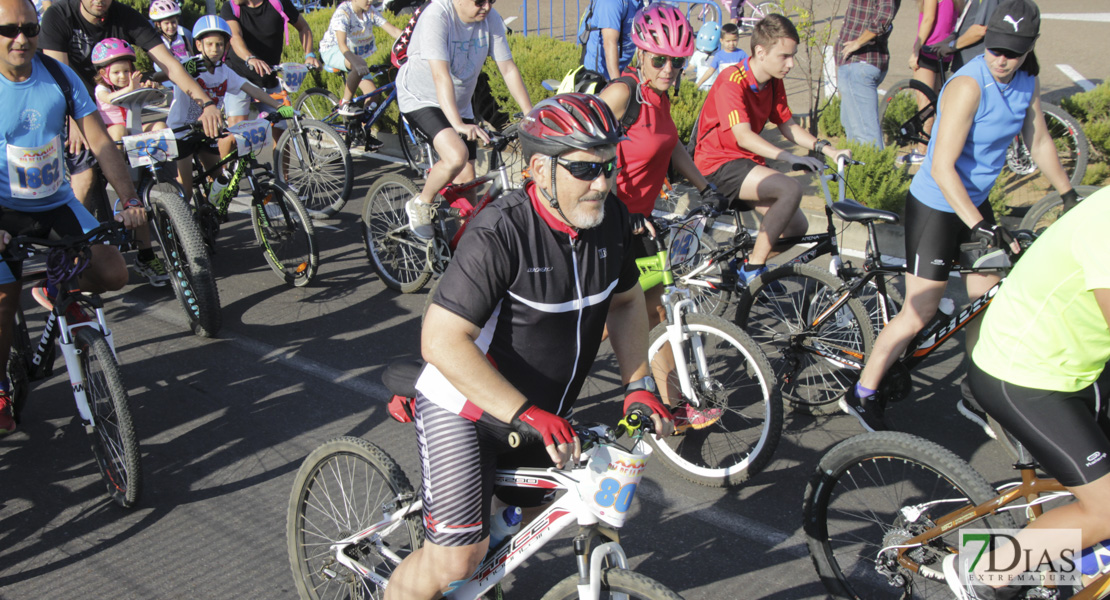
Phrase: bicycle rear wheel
[1049,209]
[785,314]
[343,487]
[397,255]
[615,583]
[317,104]
[314,160]
[285,233]
[1072,149]
[901,122]
[874,491]
[112,434]
[736,414]
[186,257]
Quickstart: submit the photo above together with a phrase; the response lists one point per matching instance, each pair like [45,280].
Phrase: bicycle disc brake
[1019,160]
[897,385]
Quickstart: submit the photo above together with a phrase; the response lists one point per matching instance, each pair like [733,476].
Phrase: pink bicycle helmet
[163,9]
[568,122]
[663,29]
[109,50]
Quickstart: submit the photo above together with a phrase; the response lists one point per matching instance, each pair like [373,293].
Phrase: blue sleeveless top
[998,119]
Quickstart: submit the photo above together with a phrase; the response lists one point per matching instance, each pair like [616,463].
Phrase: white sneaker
[349,109]
[913,158]
[420,218]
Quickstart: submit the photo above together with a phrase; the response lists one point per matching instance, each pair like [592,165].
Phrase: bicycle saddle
[853,211]
[400,377]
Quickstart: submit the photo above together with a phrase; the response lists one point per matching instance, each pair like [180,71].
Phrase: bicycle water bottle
[504,524]
[1095,561]
[219,184]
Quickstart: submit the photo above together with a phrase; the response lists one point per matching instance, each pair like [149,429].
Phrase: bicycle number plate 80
[615,474]
[151,147]
[251,136]
[292,76]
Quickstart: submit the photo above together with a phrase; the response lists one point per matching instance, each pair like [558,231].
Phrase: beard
[590,211]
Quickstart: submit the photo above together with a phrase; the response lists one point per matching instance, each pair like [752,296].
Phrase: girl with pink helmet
[639,98]
[115,76]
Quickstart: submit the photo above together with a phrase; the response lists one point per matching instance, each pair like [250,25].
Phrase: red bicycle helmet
[568,122]
[663,29]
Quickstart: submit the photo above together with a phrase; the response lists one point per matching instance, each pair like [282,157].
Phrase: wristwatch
[820,145]
[207,104]
[644,383]
[131,203]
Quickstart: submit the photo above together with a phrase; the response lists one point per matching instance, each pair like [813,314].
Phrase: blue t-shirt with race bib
[32,177]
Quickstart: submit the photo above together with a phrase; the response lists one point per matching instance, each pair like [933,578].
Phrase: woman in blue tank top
[981,108]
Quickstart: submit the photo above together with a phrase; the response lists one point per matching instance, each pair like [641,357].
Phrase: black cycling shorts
[70,218]
[933,238]
[935,65]
[730,177]
[458,460]
[431,120]
[1067,432]
[80,162]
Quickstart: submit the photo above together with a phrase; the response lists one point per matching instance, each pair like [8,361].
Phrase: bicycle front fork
[677,303]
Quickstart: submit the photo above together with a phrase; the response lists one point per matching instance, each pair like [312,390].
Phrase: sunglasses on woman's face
[587,170]
[481,3]
[1009,54]
[677,62]
[12,31]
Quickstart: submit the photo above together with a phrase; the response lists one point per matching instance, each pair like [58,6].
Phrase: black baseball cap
[1014,25]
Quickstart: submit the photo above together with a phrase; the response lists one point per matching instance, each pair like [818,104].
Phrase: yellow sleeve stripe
[733,119]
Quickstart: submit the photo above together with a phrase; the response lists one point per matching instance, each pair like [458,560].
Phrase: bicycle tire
[898,110]
[186,257]
[321,171]
[399,258]
[713,300]
[113,436]
[317,104]
[741,440]
[18,377]
[1050,208]
[1071,143]
[341,489]
[904,471]
[778,314]
[285,233]
[770,8]
[614,580]
[414,148]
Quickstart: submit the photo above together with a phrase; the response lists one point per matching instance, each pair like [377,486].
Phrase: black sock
[146,254]
[749,267]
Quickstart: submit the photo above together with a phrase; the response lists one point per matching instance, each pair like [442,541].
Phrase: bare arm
[957,107]
[447,342]
[306,42]
[211,118]
[705,77]
[1102,296]
[616,96]
[1043,148]
[445,95]
[680,160]
[974,35]
[391,29]
[511,74]
[341,41]
[611,44]
[928,23]
[76,140]
[112,165]
[239,45]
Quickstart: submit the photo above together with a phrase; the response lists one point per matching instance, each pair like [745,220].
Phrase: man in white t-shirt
[434,88]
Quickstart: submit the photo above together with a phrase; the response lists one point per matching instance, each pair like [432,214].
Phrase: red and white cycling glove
[536,423]
[646,401]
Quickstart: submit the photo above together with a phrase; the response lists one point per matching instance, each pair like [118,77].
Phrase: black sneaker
[969,407]
[373,144]
[868,411]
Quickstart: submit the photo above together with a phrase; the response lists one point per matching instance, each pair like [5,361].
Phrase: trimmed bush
[829,123]
[878,183]
[685,107]
[1097,174]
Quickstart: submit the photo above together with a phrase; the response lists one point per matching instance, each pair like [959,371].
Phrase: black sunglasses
[676,61]
[12,31]
[588,170]
[1009,54]
[481,3]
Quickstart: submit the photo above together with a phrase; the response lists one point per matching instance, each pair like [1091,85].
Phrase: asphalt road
[225,423]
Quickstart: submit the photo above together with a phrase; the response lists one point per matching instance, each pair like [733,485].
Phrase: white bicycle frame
[576,505]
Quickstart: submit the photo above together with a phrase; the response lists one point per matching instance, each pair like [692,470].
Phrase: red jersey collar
[540,207]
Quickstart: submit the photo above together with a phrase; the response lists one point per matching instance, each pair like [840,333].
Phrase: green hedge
[878,183]
[1092,110]
[829,123]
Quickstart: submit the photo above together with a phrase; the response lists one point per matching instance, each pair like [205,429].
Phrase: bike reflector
[292,76]
[151,147]
[251,136]
[615,475]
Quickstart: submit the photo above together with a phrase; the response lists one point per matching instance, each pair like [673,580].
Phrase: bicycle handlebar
[110,233]
[636,421]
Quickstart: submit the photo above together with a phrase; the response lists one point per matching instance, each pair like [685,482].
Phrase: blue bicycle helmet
[709,37]
[209,24]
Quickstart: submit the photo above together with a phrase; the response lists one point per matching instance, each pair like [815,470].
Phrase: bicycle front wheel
[808,349]
[398,256]
[187,259]
[286,234]
[314,160]
[734,421]
[112,434]
[902,123]
[342,488]
[317,104]
[875,491]
[615,583]
[1049,209]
